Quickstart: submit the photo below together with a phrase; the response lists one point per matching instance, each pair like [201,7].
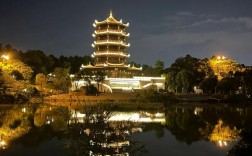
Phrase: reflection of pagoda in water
[110,47]
[109,133]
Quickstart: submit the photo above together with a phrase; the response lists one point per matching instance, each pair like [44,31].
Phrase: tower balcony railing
[115,41]
[111,50]
[111,42]
[111,31]
[124,54]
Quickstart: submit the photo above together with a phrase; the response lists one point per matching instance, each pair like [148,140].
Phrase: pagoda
[110,49]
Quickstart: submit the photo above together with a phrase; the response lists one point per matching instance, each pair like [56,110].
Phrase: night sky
[159,29]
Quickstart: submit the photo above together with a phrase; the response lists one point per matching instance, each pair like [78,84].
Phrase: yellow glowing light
[2,143]
[222,135]
[6,57]
[23,110]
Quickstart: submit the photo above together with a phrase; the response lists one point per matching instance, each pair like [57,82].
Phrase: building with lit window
[110,57]
[110,49]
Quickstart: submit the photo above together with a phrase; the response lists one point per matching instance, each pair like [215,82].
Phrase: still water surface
[195,129]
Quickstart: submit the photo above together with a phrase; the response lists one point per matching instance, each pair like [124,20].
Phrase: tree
[148,70]
[246,80]
[159,66]
[17,75]
[228,85]
[76,61]
[41,80]
[184,79]
[208,85]
[99,77]
[196,71]
[62,80]
[2,86]
[1,47]
[222,67]
[38,61]
[171,81]
[8,47]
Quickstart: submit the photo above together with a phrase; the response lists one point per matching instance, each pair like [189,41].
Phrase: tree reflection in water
[222,134]
[220,125]
[93,134]
[98,130]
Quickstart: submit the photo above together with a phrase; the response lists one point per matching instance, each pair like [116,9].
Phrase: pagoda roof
[135,68]
[111,43]
[111,65]
[110,19]
[111,53]
[111,32]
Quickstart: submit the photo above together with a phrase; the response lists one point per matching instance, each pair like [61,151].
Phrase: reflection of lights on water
[134,130]
[87,131]
[222,143]
[3,144]
[113,144]
[49,120]
[159,114]
[125,116]
[124,154]
[198,110]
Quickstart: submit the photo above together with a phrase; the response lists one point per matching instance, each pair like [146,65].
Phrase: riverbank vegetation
[24,75]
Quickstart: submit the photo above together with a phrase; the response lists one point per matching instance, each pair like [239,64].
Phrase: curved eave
[134,68]
[110,53]
[93,67]
[110,65]
[110,21]
[110,43]
[110,32]
[89,66]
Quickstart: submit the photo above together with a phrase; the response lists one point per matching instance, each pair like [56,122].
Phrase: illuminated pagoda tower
[110,49]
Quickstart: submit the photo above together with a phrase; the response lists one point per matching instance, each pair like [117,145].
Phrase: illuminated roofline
[109,20]
[97,23]
[108,31]
[111,53]
[109,42]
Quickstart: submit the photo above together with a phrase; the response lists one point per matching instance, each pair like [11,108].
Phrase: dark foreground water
[195,129]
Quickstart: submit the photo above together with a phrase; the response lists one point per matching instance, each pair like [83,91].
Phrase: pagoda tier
[110,47]
[110,42]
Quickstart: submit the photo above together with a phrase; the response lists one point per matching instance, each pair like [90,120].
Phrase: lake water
[179,129]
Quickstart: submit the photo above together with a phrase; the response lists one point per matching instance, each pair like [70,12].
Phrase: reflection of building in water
[140,116]
[3,144]
[114,136]
[198,110]
[222,135]
[115,142]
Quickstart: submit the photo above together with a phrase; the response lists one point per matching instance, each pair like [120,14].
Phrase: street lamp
[221,57]
[5,57]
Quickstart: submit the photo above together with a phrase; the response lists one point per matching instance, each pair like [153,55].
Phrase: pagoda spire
[110,14]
